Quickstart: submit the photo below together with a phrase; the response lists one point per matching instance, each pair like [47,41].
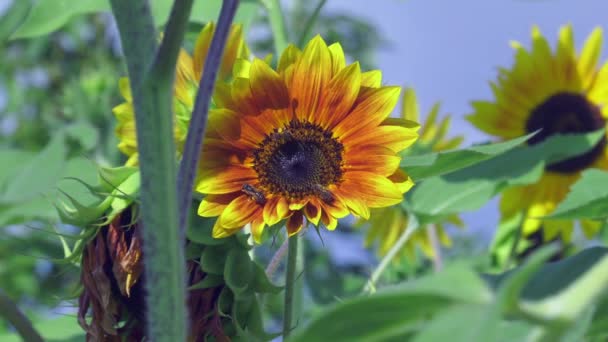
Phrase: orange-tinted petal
[267,87]
[312,210]
[295,223]
[340,96]
[239,212]
[213,205]
[376,106]
[271,214]
[311,74]
[375,190]
[372,158]
[225,180]
[396,138]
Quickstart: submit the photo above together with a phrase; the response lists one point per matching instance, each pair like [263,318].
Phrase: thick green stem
[277,24]
[151,78]
[17,319]
[412,226]
[290,284]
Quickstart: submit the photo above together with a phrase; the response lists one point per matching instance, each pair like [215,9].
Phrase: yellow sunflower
[386,225]
[187,76]
[558,92]
[311,139]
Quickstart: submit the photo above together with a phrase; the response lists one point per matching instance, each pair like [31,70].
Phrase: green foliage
[47,16]
[587,199]
[471,187]
[62,329]
[457,304]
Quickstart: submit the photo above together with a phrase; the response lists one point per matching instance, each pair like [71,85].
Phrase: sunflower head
[553,92]
[187,75]
[310,139]
[386,225]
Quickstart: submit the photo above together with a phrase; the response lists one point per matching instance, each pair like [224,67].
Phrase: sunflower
[388,224]
[311,139]
[187,76]
[559,92]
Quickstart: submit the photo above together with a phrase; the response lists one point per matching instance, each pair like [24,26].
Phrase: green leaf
[238,271]
[587,199]
[398,311]
[13,18]
[261,283]
[200,228]
[462,323]
[84,133]
[471,187]
[49,15]
[37,176]
[435,164]
[210,280]
[213,259]
[369,319]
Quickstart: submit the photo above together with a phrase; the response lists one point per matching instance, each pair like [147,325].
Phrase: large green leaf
[471,187]
[49,15]
[36,176]
[435,164]
[587,199]
[396,313]
[13,18]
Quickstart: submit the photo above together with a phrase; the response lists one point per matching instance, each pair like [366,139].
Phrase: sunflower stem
[412,226]
[431,232]
[278,256]
[290,284]
[310,23]
[277,24]
[151,73]
[198,122]
[10,311]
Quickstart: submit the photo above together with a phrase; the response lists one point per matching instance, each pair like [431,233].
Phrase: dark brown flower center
[299,160]
[565,113]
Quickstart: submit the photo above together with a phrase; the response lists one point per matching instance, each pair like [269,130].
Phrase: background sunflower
[557,92]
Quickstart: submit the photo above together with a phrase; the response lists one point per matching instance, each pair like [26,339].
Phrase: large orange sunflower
[560,92]
[187,76]
[312,140]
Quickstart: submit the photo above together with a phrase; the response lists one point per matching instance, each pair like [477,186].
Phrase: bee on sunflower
[311,139]
[386,225]
[556,92]
[187,76]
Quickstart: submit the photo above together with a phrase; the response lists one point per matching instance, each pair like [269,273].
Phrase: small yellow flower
[388,224]
[559,92]
[188,73]
[311,139]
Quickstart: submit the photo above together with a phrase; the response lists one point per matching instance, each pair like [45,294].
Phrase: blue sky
[448,50]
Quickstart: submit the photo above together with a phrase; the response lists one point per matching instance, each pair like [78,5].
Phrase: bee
[255,194]
[325,195]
